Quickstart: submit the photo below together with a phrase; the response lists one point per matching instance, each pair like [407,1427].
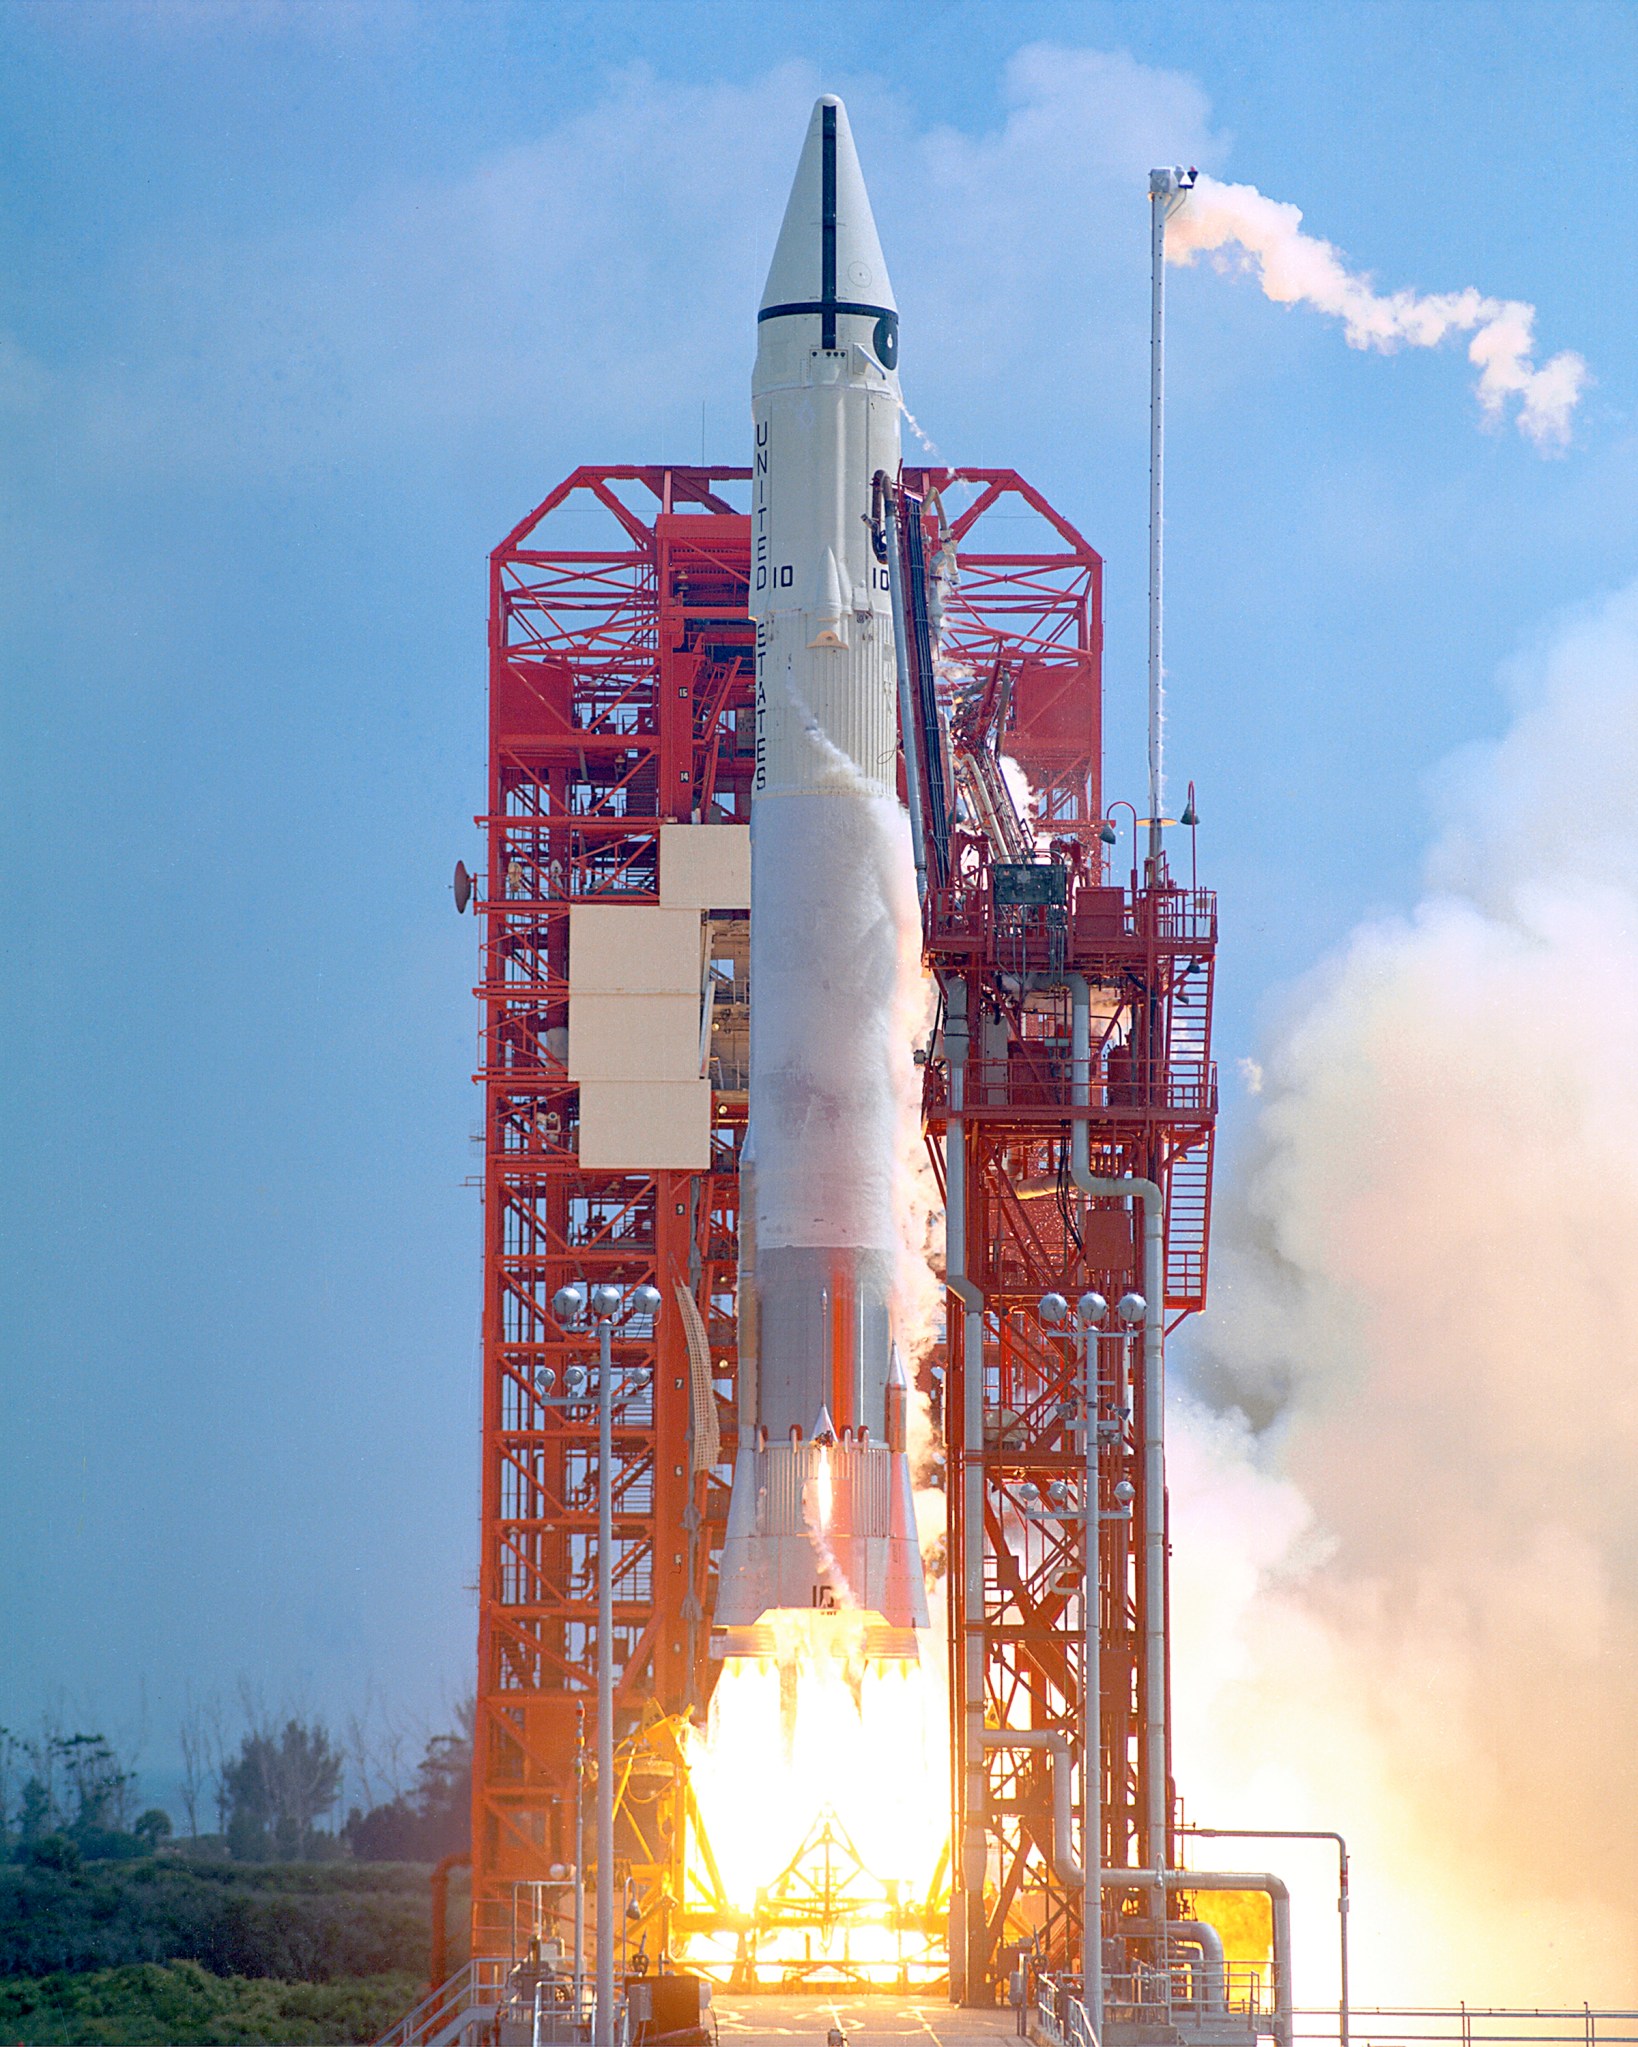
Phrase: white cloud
[588,290]
[1431,1269]
[588,285]
[575,279]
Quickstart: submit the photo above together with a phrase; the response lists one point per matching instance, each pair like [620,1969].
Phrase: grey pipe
[1157,1814]
[603,2018]
[1305,1834]
[1057,1745]
[1209,1987]
[1272,1887]
[975,1839]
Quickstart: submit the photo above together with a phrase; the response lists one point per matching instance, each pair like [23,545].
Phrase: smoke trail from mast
[1241,227]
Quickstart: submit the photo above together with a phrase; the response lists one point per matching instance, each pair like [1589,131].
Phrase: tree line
[274,1789]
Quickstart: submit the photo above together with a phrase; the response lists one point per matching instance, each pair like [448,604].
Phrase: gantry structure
[620,704]
[621,730]
[1042,1129]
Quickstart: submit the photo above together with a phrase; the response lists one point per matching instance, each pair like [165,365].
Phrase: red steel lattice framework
[621,697]
[1146,1094]
[619,700]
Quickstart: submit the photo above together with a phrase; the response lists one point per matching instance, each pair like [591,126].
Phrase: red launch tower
[619,704]
[621,727]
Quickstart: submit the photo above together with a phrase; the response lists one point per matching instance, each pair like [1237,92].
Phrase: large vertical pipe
[973,1857]
[1092,1704]
[1157,1816]
[579,1861]
[439,1968]
[745,1412]
[605,1682]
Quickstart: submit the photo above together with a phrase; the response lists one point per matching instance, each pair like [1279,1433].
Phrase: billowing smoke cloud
[1294,268]
[1411,1610]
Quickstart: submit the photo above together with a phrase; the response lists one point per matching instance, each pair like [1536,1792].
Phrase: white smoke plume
[885,1146]
[918,1296]
[1265,237]
[1411,1610]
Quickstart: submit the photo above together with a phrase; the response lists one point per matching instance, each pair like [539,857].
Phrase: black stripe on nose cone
[827,228]
[885,338]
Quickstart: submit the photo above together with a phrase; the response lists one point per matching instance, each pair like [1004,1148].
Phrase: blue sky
[303,307]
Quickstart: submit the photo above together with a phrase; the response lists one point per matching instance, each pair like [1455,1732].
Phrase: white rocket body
[821,1516]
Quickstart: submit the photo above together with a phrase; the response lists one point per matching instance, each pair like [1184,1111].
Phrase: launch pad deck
[884,2021]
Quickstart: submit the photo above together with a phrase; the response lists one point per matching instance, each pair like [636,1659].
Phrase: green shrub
[309,1922]
[180,2004]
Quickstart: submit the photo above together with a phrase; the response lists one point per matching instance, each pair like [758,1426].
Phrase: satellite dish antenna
[463,886]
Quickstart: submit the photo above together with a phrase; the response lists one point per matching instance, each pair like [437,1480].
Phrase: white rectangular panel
[634,1037]
[705,866]
[638,1125]
[633,949]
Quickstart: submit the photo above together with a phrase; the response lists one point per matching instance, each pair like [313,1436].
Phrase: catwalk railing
[470,1998]
[1061,2018]
[1160,1997]
[1469,2025]
[494,1998]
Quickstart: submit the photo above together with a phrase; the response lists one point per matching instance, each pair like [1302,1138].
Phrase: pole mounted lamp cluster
[1085,1325]
[583,1312]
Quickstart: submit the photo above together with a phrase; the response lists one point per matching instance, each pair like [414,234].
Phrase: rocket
[821,1517]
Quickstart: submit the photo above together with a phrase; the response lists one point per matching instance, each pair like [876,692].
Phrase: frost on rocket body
[827,1100]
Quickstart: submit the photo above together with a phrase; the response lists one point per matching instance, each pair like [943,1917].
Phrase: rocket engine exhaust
[821,1518]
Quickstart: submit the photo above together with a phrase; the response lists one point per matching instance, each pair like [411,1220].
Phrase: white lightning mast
[1168,189]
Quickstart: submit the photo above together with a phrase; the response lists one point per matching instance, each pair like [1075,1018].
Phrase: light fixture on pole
[579,1859]
[605,1304]
[1085,1327]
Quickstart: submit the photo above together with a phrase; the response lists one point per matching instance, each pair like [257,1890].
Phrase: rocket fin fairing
[823,1520]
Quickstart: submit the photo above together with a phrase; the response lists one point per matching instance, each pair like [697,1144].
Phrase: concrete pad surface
[887,2020]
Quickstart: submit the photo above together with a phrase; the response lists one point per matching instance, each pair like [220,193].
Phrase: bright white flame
[818,1733]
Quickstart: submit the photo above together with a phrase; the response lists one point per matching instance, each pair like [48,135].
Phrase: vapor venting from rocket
[1413,1613]
[1241,227]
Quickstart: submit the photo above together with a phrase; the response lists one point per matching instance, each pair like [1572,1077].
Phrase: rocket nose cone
[828,246]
